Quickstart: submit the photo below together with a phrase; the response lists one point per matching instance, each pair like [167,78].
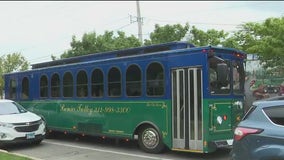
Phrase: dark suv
[260,133]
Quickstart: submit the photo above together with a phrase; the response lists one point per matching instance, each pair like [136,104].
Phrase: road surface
[90,148]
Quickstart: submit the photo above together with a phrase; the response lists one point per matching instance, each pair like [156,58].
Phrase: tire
[150,140]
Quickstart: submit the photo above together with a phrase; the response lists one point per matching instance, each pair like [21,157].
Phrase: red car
[281,90]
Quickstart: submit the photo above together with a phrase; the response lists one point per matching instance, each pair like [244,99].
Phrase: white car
[19,125]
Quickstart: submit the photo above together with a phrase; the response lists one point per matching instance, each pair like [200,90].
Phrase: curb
[1,150]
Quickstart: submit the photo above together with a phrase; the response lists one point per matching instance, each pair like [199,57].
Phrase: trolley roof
[117,53]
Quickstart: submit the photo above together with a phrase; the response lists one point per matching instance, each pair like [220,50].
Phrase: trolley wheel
[150,140]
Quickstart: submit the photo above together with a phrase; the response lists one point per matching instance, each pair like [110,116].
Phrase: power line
[123,27]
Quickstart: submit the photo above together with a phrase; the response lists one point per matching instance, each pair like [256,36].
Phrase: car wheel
[150,140]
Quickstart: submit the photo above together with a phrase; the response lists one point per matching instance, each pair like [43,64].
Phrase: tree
[91,43]
[264,39]
[167,33]
[210,37]
[11,63]
[270,42]
[14,62]
[244,38]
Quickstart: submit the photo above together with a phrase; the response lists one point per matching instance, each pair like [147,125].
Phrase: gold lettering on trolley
[156,104]
[164,133]
[90,110]
[115,131]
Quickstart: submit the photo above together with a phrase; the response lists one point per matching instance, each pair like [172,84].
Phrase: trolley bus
[172,95]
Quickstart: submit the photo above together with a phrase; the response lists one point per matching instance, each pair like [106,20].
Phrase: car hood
[19,118]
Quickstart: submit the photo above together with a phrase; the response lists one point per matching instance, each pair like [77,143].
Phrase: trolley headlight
[239,104]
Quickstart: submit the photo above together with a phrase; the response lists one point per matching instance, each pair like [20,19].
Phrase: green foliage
[167,33]
[9,156]
[93,43]
[14,62]
[210,37]
[270,45]
[11,63]
[266,40]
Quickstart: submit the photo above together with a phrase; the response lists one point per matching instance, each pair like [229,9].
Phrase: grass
[9,156]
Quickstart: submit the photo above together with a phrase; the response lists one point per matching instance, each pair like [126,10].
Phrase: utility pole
[139,22]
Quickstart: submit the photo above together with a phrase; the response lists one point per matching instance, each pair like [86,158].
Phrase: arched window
[25,88]
[97,83]
[43,86]
[55,85]
[114,82]
[68,85]
[82,84]
[155,79]
[12,89]
[133,81]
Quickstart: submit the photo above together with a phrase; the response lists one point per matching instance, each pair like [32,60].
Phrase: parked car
[271,89]
[19,125]
[281,90]
[259,136]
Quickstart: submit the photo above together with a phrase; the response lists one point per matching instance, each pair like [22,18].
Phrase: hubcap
[150,138]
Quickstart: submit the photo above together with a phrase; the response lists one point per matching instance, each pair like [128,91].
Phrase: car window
[275,114]
[11,108]
[252,108]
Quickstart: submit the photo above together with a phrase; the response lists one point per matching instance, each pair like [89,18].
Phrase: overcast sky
[39,29]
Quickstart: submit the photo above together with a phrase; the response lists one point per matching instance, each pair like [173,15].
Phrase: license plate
[30,135]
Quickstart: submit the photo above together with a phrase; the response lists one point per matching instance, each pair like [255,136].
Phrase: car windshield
[11,108]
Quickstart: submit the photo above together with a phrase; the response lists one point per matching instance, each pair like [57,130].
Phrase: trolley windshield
[225,76]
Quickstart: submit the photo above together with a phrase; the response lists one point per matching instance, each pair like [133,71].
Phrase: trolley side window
[25,88]
[155,79]
[68,85]
[97,83]
[55,85]
[133,81]
[43,86]
[12,89]
[114,82]
[82,84]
